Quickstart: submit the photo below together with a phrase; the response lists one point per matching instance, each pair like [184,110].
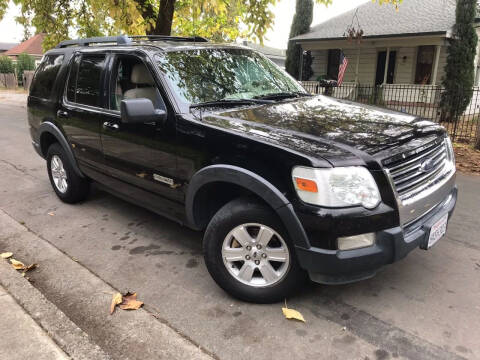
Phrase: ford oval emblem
[427,165]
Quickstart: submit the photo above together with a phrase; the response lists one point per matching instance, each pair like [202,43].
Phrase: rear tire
[249,254]
[68,186]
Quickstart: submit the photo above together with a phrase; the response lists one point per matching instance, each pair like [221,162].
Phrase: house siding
[405,69]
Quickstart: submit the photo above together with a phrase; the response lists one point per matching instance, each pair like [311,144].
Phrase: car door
[82,107]
[141,155]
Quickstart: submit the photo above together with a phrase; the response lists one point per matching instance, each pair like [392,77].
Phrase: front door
[142,156]
[381,63]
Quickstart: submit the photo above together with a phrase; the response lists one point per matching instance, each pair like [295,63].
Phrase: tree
[460,67]
[301,24]
[24,62]
[6,65]
[216,19]
[3,8]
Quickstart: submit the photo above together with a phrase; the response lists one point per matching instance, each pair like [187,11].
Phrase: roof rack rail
[124,39]
[168,38]
[119,40]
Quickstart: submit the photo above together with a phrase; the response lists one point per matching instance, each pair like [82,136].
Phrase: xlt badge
[163,179]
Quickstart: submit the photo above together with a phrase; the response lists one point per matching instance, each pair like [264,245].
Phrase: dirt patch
[468,159]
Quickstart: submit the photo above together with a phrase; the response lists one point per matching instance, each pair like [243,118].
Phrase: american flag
[342,67]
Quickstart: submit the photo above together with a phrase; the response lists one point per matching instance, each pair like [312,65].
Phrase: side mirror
[140,111]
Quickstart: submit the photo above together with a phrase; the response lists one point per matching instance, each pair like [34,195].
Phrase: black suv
[284,184]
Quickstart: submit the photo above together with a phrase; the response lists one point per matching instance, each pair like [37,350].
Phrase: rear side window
[45,77]
[84,83]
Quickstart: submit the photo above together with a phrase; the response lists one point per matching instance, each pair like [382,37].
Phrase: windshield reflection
[203,75]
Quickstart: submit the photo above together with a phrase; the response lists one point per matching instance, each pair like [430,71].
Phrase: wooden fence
[8,81]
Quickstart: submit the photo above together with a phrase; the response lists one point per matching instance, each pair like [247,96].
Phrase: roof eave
[433,33]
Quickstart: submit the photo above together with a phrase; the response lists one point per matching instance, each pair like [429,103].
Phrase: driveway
[424,307]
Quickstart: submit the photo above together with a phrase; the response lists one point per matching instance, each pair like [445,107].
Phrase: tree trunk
[165,17]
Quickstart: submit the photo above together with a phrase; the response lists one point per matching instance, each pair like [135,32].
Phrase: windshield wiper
[227,102]
[282,95]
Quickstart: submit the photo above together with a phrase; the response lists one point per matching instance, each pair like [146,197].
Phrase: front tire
[68,186]
[249,254]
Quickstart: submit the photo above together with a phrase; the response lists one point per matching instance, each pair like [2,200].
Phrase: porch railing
[420,100]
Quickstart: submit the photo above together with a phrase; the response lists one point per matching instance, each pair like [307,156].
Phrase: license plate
[437,231]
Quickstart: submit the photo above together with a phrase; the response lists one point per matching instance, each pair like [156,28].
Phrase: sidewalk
[21,337]
[14,97]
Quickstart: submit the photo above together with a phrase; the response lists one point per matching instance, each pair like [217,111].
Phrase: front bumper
[344,266]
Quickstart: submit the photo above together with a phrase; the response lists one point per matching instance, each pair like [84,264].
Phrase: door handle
[110,125]
[62,114]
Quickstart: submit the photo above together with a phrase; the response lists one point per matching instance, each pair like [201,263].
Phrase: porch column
[300,71]
[357,65]
[387,61]
[435,64]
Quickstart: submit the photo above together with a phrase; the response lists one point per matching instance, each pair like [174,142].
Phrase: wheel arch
[235,181]
[50,133]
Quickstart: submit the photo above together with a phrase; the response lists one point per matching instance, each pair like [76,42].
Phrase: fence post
[477,140]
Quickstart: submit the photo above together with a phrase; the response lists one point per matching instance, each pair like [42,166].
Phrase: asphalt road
[424,307]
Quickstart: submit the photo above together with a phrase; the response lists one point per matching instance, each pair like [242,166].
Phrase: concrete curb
[85,298]
[68,336]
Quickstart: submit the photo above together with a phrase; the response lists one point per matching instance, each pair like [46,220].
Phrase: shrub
[460,70]
[24,62]
[6,65]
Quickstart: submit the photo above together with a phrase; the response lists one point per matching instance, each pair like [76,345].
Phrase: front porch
[414,60]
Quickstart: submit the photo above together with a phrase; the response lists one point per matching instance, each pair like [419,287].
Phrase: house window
[333,64]
[425,58]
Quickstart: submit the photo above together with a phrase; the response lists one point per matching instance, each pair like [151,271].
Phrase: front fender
[255,184]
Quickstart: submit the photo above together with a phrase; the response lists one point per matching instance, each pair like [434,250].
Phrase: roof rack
[168,38]
[124,39]
[119,40]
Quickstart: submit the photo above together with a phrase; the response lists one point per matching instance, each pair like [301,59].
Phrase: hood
[323,126]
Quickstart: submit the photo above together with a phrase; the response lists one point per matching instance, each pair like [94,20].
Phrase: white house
[407,47]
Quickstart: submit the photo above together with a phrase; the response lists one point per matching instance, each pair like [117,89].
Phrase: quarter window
[45,76]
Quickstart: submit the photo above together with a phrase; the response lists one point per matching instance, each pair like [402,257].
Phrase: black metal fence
[421,100]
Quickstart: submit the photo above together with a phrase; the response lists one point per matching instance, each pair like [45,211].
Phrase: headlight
[450,152]
[336,187]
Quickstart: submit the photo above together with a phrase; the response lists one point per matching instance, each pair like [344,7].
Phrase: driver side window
[131,79]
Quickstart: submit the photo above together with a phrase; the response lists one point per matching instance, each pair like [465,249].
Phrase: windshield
[203,75]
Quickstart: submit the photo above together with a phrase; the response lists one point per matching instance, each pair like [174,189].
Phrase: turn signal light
[306,185]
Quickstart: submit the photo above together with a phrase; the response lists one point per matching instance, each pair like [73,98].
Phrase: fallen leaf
[130,302]
[17,265]
[292,314]
[30,267]
[116,299]
[6,255]
[51,213]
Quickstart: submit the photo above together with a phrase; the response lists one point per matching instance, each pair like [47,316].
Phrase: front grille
[409,172]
